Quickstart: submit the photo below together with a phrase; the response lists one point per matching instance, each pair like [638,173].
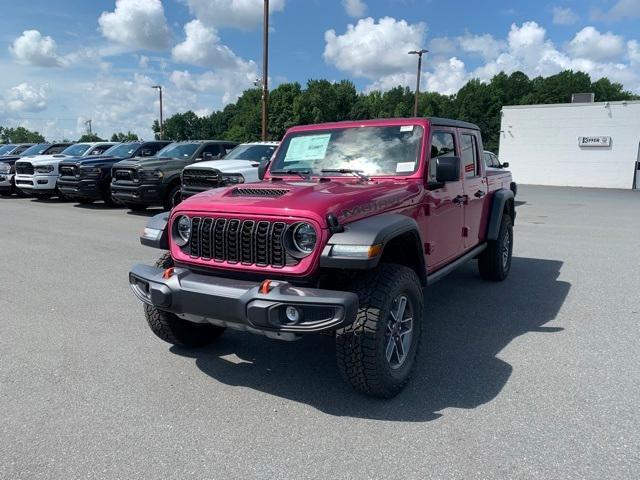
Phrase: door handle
[480,194]
[460,200]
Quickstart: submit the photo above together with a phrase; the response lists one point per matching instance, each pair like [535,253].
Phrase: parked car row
[135,174]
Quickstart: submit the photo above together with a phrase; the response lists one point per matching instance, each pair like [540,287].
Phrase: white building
[573,144]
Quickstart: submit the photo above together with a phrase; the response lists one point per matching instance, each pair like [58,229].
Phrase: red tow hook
[265,287]
[168,273]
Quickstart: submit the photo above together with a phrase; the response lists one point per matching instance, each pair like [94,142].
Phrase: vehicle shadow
[98,205]
[149,212]
[468,323]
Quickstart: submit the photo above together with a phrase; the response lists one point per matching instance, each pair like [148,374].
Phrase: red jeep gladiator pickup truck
[351,222]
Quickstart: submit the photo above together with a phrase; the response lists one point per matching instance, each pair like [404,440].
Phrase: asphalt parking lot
[536,377]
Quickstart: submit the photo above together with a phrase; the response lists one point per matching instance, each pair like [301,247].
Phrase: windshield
[376,151]
[251,152]
[178,150]
[6,149]
[36,149]
[124,150]
[76,150]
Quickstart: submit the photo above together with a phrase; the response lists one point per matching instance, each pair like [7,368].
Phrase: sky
[66,61]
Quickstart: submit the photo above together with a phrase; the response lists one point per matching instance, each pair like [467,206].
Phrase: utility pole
[159,88]
[419,53]
[265,71]
[88,125]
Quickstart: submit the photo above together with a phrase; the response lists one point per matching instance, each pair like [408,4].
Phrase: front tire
[377,353]
[174,197]
[172,329]
[494,263]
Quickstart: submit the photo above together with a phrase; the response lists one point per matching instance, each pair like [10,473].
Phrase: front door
[475,187]
[443,209]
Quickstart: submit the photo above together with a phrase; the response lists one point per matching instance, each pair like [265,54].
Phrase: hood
[90,160]
[349,199]
[226,166]
[47,159]
[150,162]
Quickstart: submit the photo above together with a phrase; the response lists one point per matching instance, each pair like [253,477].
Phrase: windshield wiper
[357,173]
[304,174]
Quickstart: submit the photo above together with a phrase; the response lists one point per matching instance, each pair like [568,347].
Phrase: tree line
[325,101]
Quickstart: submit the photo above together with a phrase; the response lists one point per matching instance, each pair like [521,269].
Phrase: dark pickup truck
[89,179]
[155,181]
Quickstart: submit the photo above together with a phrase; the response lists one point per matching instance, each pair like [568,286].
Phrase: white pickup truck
[38,175]
[240,165]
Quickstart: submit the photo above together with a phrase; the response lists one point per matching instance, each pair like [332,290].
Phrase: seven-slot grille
[250,242]
[24,168]
[193,177]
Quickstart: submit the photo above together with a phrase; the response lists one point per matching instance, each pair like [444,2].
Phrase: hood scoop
[258,192]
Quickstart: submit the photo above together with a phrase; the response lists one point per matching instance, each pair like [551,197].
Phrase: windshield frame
[278,160]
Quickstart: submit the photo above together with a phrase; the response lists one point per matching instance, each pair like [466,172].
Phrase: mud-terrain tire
[7,193]
[173,198]
[173,329]
[494,262]
[135,207]
[367,351]
[106,196]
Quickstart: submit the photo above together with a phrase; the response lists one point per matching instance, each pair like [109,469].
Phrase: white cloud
[138,24]
[25,98]
[227,84]
[564,16]
[484,45]
[31,48]
[355,8]
[622,9]
[633,47]
[202,47]
[442,46]
[589,43]
[244,14]
[371,49]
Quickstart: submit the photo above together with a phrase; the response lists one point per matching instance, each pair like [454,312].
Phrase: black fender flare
[376,230]
[156,232]
[500,198]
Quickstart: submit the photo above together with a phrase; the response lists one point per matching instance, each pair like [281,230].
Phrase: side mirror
[505,165]
[145,152]
[263,167]
[447,169]
[206,156]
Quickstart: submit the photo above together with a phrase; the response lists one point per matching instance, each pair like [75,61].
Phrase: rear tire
[494,262]
[377,353]
[106,197]
[172,329]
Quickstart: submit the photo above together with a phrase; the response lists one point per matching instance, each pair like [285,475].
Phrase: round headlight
[183,230]
[304,237]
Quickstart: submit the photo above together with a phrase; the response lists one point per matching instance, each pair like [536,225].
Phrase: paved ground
[538,377]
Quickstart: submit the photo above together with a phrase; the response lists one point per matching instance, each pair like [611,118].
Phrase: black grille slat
[201,178]
[248,242]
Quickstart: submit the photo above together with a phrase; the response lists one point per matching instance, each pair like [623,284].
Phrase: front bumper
[36,183]
[6,182]
[143,194]
[241,304]
[81,188]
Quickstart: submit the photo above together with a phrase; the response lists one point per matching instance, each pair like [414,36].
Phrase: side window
[442,145]
[55,150]
[213,149]
[228,148]
[155,147]
[469,155]
[100,149]
[496,162]
[488,159]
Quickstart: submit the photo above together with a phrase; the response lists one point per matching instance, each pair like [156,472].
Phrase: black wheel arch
[503,202]
[398,235]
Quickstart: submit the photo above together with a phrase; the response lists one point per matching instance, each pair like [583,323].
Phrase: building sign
[594,141]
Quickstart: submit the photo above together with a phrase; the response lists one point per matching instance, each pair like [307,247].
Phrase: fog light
[293,314]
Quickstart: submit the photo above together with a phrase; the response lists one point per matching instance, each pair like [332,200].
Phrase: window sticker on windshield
[404,167]
[406,128]
[308,147]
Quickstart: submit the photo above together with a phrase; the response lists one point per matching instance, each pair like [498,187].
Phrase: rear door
[444,214]
[475,187]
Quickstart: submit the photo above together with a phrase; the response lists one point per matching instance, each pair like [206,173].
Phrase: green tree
[281,110]
[19,135]
[90,137]
[124,137]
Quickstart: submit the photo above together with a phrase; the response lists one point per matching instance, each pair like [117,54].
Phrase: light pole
[159,88]
[265,71]
[419,53]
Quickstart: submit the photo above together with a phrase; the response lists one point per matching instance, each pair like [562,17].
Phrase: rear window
[469,155]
